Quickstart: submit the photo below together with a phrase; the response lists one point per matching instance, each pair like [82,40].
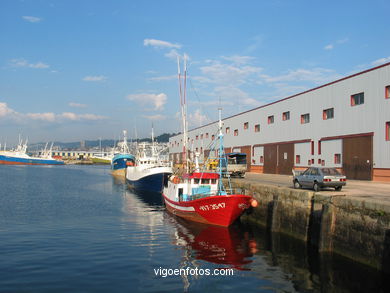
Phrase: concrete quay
[354,222]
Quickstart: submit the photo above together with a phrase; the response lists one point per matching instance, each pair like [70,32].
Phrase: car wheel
[297,185]
[338,188]
[316,187]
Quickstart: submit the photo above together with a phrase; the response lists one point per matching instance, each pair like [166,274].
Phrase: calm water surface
[77,229]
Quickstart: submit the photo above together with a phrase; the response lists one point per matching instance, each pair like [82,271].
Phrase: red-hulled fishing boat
[201,196]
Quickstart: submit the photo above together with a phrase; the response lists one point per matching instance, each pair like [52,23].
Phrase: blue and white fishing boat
[149,171]
[122,159]
[19,156]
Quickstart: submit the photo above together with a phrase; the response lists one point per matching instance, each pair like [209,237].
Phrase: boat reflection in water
[220,245]
[228,246]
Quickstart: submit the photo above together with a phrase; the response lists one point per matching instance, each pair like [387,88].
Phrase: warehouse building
[343,124]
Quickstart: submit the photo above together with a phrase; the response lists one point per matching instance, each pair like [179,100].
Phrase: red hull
[220,210]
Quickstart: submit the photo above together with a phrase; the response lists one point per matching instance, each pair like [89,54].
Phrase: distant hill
[105,143]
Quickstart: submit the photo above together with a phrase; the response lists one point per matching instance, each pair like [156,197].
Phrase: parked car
[318,177]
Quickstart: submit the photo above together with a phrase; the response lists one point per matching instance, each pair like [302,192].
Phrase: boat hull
[9,160]
[221,210]
[118,164]
[153,182]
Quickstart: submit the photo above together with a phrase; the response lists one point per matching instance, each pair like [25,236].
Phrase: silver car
[318,177]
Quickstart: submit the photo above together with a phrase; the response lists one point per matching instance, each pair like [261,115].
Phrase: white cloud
[380,61]
[31,19]
[157,100]
[236,59]
[5,110]
[196,119]
[77,117]
[154,117]
[160,44]
[329,47]
[98,78]
[316,75]
[338,42]
[50,117]
[77,105]
[232,74]
[24,63]
[237,95]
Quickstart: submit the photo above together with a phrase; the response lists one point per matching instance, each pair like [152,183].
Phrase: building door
[285,158]
[270,159]
[357,157]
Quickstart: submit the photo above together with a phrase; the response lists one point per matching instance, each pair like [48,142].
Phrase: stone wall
[355,229]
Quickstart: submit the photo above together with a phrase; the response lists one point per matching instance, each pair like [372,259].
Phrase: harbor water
[78,229]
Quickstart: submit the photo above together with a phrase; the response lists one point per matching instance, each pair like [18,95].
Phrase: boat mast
[182,93]
[221,152]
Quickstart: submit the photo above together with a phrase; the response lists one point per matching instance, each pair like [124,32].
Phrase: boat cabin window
[196,180]
[213,181]
[180,194]
[205,181]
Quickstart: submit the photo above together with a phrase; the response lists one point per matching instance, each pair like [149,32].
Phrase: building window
[387,92]
[312,148]
[257,128]
[246,125]
[227,130]
[323,163]
[271,119]
[388,131]
[305,118]
[328,114]
[357,99]
[297,159]
[236,132]
[319,161]
[213,137]
[337,158]
[319,147]
[312,161]
[286,116]
[261,159]
[309,162]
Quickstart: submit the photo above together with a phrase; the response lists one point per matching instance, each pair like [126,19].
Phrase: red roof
[207,175]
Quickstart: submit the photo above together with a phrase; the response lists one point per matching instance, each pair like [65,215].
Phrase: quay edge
[353,228]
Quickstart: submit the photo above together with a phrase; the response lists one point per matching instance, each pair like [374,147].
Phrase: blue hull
[119,161]
[9,160]
[149,183]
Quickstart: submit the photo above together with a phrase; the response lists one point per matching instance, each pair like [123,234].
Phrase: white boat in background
[19,156]
[149,171]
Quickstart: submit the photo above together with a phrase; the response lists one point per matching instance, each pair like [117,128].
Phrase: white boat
[148,172]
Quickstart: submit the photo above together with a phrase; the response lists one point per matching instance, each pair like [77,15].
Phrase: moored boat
[119,163]
[201,196]
[121,159]
[19,156]
[148,172]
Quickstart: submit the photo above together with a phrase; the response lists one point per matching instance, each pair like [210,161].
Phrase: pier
[354,223]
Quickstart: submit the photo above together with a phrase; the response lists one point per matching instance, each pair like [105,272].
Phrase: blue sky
[73,70]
